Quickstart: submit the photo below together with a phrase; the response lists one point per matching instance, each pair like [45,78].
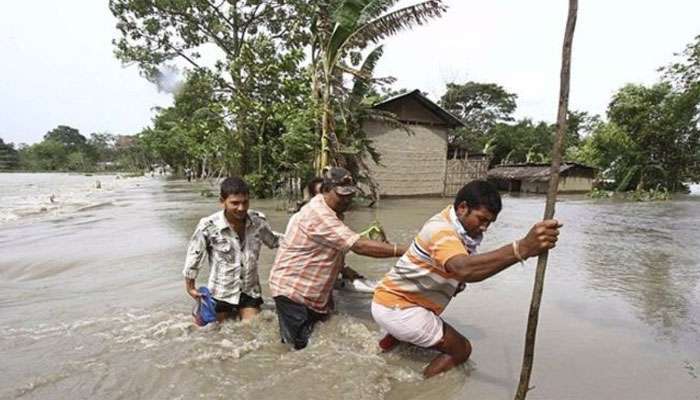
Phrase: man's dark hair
[311,186]
[479,194]
[233,185]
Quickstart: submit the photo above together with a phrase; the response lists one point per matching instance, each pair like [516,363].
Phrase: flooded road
[94,306]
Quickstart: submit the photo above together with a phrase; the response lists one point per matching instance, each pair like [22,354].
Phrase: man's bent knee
[454,344]
[464,356]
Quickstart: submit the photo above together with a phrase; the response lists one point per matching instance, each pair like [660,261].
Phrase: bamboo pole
[565,74]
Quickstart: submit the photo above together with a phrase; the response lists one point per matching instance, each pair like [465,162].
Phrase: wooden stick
[529,352]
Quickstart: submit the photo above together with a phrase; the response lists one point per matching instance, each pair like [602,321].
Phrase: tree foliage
[341,31]
[9,157]
[480,106]
[272,88]
[69,138]
[663,125]
[253,53]
[523,141]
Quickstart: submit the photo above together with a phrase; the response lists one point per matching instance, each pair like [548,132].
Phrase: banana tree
[342,30]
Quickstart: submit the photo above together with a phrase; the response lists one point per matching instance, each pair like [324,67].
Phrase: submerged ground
[94,306]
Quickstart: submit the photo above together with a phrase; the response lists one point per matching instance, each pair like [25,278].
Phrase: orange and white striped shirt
[419,277]
[311,255]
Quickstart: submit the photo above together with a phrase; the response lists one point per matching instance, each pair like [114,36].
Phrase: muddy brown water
[94,306]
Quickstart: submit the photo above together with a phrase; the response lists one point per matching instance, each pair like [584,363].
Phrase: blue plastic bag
[204,311]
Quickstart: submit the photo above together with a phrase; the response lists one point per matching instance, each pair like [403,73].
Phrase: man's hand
[542,237]
[191,290]
[351,274]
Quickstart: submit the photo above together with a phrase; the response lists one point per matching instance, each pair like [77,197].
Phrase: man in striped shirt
[441,259]
[311,255]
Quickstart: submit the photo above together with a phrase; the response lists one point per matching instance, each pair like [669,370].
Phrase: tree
[69,137]
[341,31]
[480,106]
[523,141]
[664,125]
[9,157]
[47,155]
[685,74]
[259,48]
[579,125]
[102,146]
[355,107]
[610,149]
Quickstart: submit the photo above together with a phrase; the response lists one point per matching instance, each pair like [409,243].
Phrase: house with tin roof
[534,178]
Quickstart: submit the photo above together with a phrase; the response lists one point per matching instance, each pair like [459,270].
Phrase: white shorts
[415,325]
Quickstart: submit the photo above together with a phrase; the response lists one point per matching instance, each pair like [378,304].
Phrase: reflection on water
[650,260]
[94,307]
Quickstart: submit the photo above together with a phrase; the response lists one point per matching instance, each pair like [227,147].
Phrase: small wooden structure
[464,168]
[414,161]
[534,178]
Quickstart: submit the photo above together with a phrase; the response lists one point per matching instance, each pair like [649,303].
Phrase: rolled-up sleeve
[196,250]
[269,237]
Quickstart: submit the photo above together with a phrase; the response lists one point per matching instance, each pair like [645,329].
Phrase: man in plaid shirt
[312,254]
[231,240]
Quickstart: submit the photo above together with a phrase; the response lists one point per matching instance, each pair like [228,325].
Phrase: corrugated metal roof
[530,172]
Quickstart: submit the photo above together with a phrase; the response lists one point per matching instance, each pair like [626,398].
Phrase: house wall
[569,184]
[534,187]
[575,184]
[412,163]
[460,172]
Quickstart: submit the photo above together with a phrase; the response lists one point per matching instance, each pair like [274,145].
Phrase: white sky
[57,65]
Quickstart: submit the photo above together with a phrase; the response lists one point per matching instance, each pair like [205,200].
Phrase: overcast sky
[58,68]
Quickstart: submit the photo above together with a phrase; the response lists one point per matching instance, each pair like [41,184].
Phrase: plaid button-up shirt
[233,265]
[311,255]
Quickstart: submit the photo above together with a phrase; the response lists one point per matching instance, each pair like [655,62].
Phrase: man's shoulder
[317,208]
[209,220]
[437,225]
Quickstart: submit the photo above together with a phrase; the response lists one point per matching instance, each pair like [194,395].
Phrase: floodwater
[94,306]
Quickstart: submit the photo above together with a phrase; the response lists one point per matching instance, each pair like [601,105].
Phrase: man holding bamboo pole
[441,259]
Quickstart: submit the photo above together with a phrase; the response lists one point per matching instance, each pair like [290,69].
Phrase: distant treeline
[65,149]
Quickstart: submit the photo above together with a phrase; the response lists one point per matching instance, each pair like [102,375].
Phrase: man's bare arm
[541,237]
[191,290]
[377,249]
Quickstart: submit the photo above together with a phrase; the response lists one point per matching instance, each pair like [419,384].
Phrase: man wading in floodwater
[441,259]
[231,238]
[312,254]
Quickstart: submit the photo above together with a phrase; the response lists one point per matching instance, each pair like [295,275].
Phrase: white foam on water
[26,195]
[242,360]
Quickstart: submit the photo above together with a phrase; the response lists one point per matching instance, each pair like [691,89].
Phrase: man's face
[342,201]
[236,206]
[476,220]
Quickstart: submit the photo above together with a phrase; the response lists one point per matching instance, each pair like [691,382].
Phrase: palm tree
[342,29]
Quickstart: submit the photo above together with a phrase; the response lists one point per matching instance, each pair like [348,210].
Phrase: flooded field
[94,306]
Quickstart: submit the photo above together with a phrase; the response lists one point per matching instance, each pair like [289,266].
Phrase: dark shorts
[296,321]
[243,301]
